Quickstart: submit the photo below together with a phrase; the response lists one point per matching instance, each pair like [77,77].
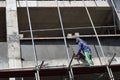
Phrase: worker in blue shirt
[83,46]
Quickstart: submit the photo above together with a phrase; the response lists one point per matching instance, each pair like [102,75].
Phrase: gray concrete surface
[12,35]
[51,3]
[3,55]
[53,51]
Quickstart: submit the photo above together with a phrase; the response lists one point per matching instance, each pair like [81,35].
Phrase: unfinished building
[36,41]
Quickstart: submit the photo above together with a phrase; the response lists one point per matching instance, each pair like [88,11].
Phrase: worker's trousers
[88,57]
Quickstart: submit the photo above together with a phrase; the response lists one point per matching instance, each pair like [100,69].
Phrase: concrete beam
[83,36]
[61,4]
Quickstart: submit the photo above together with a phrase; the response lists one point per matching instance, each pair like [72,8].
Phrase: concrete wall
[3,55]
[53,51]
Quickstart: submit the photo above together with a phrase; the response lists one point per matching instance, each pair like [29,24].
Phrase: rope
[33,44]
[63,32]
[108,69]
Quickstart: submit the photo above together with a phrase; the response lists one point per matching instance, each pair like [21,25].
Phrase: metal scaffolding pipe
[108,69]
[84,36]
[71,75]
[55,29]
[37,76]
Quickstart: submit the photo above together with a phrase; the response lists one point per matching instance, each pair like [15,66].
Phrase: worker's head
[77,37]
[77,40]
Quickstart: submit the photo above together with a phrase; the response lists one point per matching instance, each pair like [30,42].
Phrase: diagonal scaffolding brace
[112,59]
[70,68]
[63,32]
[37,68]
[107,67]
[37,75]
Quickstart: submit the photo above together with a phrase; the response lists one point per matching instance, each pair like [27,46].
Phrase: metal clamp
[38,67]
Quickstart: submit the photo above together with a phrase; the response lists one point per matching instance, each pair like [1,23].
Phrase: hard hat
[77,39]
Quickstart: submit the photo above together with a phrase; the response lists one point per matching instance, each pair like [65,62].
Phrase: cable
[61,23]
[33,44]
[108,69]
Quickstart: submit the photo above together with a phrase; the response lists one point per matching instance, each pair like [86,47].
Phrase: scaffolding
[41,70]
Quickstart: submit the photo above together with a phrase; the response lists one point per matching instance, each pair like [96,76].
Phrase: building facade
[33,31]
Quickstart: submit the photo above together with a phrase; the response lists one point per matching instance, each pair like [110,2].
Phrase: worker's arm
[79,48]
[77,56]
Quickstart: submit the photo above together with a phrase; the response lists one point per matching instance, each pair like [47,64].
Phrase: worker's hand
[76,56]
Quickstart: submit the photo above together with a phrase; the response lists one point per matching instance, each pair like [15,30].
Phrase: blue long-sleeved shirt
[83,46]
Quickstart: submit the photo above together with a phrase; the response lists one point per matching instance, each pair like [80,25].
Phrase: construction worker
[83,46]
